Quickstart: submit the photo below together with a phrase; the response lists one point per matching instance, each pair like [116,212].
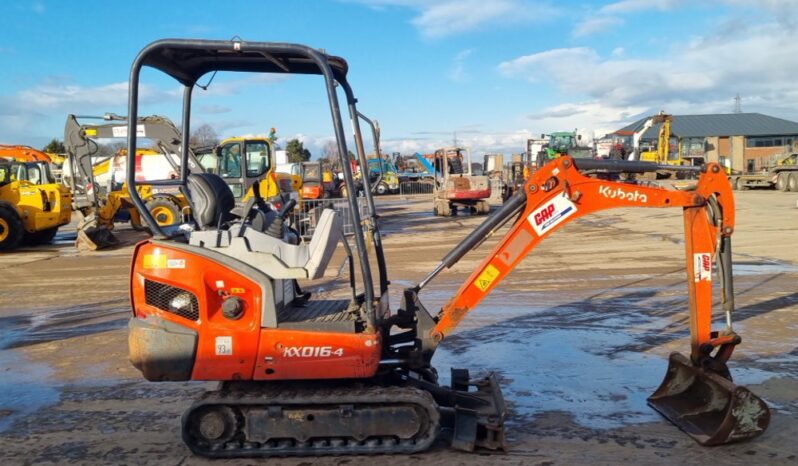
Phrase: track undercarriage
[397,414]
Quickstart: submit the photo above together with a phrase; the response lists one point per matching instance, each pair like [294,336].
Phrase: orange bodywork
[312,191]
[23,154]
[558,193]
[251,351]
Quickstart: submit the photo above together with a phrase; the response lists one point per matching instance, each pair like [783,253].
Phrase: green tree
[55,146]
[296,151]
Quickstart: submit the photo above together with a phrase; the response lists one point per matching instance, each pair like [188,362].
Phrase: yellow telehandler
[32,205]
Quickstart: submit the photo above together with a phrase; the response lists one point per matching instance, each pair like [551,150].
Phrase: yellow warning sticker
[154,261]
[235,290]
[91,132]
[486,277]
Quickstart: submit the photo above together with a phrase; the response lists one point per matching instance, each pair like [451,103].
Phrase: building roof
[724,124]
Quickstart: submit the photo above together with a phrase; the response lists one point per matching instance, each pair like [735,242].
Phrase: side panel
[226,349]
[296,354]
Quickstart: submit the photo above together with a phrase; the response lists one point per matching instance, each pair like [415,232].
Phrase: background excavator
[101,203]
[217,298]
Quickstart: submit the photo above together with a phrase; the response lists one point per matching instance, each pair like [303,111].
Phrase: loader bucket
[92,237]
[708,407]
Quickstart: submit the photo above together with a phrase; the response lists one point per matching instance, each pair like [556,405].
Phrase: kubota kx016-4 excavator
[217,299]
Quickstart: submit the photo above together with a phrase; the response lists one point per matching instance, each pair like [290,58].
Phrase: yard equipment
[562,143]
[257,165]
[317,181]
[666,151]
[101,204]
[32,205]
[217,299]
[22,153]
[781,175]
[455,186]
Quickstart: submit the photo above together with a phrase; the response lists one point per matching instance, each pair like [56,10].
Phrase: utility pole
[738,108]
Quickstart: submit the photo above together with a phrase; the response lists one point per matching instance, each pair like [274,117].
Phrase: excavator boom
[697,394]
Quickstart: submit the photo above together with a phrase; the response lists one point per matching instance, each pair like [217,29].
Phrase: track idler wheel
[707,406]
[213,425]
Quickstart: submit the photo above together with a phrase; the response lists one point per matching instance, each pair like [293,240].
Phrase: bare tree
[203,136]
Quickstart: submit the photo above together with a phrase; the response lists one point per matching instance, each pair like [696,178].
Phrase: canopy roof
[187,60]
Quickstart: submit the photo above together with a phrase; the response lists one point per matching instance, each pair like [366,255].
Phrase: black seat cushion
[211,199]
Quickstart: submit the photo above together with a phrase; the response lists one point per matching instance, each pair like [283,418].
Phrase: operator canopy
[188,60]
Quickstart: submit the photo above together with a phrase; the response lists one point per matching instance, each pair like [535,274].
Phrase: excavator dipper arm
[559,193]
[697,394]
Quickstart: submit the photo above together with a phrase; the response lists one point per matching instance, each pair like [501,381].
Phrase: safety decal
[154,261]
[702,267]
[486,277]
[224,346]
[176,264]
[551,214]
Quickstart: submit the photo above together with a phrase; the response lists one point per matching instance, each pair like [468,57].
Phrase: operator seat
[211,199]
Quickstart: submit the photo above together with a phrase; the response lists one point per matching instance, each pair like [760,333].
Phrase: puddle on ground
[25,387]
[23,330]
[588,356]
[558,370]
[763,268]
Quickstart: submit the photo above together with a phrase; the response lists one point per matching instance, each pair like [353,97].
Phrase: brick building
[747,142]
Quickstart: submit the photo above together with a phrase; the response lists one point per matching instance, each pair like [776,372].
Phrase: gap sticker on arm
[702,267]
[551,214]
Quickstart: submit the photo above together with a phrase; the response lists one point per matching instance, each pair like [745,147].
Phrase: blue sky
[495,72]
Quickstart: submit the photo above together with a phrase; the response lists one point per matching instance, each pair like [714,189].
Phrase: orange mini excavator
[217,298]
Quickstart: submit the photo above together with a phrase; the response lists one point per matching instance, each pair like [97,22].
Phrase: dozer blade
[92,237]
[708,407]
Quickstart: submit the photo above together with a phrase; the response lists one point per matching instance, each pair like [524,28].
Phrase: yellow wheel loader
[32,205]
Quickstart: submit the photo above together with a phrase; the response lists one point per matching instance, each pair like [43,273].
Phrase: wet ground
[579,335]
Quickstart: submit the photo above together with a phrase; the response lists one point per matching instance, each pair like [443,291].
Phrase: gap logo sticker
[551,214]
[702,267]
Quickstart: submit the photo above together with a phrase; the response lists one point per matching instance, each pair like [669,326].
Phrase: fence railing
[416,188]
[306,217]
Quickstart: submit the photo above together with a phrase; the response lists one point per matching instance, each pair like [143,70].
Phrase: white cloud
[213,109]
[698,76]
[631,6]
[441,18]
[594,25]
[458,72]
[72,97]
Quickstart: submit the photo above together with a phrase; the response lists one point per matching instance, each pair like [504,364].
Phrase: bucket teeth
[708,407]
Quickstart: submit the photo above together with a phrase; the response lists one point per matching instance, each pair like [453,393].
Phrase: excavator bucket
[92,237]
[708,407]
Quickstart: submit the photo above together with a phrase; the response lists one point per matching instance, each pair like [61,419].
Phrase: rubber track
[310,396]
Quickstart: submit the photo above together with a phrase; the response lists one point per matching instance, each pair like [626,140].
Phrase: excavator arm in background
[697,394]
[98,210]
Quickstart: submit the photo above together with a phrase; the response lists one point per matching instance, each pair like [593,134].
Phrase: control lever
[288,206]
[276,227]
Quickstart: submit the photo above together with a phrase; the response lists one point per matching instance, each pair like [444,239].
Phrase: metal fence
[416,188]
[306,217]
